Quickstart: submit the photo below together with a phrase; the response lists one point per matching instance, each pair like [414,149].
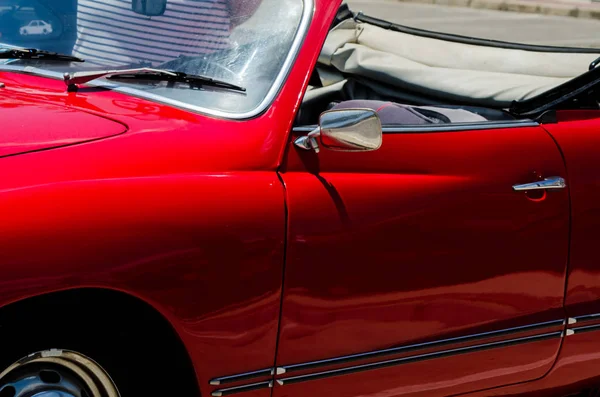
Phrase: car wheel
[113,344]
[24,32]
[45,31]
[57,373]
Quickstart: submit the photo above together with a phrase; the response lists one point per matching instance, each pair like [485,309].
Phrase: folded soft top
[447,71]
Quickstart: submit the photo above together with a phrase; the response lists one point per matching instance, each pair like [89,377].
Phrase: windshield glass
[243,42]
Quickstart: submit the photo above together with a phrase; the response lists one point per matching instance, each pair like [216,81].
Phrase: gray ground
[500,25]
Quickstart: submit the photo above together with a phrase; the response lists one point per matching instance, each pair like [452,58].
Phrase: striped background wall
[111,34]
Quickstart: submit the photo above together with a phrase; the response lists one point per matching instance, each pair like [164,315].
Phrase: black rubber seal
[470,40]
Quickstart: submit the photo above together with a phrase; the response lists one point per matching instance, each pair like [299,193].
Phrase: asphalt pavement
[498,25]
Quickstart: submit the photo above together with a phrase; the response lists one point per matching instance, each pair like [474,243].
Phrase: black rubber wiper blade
[74,79]
[179,77]
[34,53]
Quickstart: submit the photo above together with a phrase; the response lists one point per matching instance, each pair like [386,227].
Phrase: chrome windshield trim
[420,346]
[305,22]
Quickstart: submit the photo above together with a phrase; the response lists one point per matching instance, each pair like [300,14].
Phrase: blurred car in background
[36,27]
[38,23]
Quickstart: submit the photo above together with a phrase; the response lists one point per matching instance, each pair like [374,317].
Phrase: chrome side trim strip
[239,377]
[579,323]
[240,389]
[303,28]
[588,328]
[276,372]
[587,317]
[421,357]
[419,346]
[454,127]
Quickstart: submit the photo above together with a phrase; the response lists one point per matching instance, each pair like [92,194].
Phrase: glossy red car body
[414,270]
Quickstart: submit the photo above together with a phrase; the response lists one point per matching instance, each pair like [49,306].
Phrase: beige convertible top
[444,70]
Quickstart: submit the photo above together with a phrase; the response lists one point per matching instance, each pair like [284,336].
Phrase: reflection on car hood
[28,126]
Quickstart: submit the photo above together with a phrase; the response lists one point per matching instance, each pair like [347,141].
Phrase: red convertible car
[283,198]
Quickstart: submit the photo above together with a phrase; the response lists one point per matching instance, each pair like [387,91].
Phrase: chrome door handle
[551,183]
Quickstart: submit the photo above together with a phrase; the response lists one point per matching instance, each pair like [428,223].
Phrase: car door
[576,131]
[417,269]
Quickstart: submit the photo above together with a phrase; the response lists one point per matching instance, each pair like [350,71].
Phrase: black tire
[138,364]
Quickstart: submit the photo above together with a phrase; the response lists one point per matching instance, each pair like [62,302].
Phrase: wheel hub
[56,373]
[52,394]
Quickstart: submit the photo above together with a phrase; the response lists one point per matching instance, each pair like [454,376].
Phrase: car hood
[27,126]
[38,113]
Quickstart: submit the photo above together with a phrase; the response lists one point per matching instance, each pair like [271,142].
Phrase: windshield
[249,43]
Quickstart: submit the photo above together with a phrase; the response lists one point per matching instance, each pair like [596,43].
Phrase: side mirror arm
[310,141]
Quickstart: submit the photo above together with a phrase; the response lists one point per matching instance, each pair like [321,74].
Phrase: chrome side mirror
[345,130]
[149,8]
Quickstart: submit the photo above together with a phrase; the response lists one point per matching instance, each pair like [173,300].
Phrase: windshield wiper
[34,53]
[72,80]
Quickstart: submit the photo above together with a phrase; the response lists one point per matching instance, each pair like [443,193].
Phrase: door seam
[283,272]
[570,227]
